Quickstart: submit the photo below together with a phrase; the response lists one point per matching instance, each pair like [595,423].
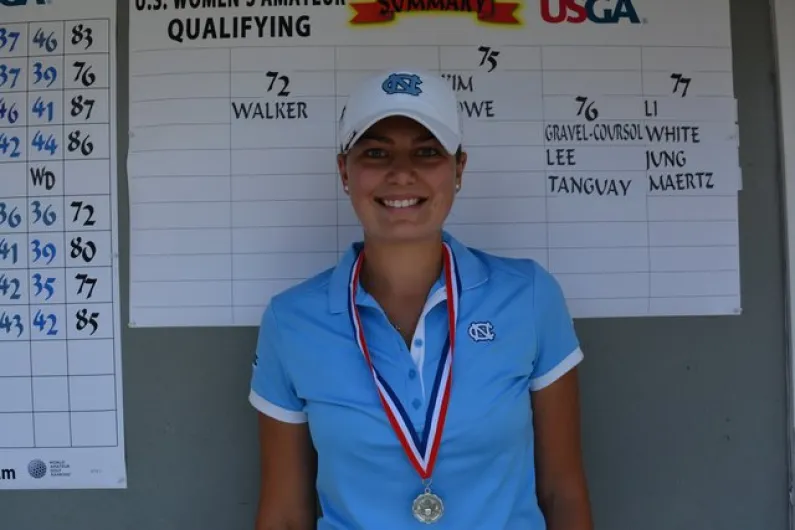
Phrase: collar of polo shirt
[471,270]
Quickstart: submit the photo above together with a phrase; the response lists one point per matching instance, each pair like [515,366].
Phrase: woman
[419,381]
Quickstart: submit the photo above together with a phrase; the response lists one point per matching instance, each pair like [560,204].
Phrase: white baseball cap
[422,96]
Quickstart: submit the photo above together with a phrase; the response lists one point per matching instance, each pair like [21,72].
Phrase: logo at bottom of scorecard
[37,468]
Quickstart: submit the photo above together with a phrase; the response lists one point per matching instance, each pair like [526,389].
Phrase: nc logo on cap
[408,84]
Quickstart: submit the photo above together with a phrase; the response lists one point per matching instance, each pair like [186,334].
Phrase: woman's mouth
[401,203]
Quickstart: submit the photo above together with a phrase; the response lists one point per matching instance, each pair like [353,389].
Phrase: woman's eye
[375,153]
[428,151]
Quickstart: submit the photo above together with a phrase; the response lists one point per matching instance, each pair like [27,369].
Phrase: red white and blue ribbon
[421,451]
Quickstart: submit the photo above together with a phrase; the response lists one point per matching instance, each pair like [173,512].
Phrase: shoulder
[516,273]
[520,285]
[306,299]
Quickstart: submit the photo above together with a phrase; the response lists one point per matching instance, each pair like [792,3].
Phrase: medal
[427,507]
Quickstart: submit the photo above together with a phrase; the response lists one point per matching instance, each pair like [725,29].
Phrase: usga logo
[597,11]
[15,3]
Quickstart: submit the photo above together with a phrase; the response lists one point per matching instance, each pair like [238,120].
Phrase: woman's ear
[342,168]
[460,164]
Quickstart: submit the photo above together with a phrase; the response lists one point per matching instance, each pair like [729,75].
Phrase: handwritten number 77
[86,280]
[679,79]
[283,79]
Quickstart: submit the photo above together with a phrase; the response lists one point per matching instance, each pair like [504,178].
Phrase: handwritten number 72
[680,80]
[283,79]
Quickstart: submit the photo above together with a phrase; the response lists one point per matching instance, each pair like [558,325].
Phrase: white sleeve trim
[275,411]
[569,362]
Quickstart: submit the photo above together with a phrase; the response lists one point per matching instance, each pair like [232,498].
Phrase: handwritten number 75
[488,55]
[283,79]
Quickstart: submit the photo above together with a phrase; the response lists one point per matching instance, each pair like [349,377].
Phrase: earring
[345,187]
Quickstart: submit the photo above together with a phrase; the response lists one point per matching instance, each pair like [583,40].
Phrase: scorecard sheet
[61,419]
[602,141]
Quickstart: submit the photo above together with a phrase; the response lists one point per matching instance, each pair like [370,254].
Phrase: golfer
[419,382]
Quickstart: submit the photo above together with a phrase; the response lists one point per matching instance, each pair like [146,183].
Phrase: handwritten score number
[586,108]
[86,319]
[681,81]
[82,105]
[8,112]
[78,141]
[89,209]
[82,34]
[44,41]
[488,55]
[86,280]
[10,287]
[84,73]
[9,251]
[11,323]
[8,39]
[9,216]
[282,79]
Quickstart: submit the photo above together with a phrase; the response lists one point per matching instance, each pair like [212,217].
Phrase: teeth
[405,203]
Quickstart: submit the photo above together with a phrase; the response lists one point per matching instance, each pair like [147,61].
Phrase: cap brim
[447,137]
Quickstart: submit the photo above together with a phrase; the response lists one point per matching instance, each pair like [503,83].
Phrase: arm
[560,477]
[287,476]
[561,483]
[287,457]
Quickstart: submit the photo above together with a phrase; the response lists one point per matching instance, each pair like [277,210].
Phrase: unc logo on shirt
[408,84]
[480,331]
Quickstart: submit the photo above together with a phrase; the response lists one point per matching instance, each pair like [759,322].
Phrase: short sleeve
[558,348]
[272,391]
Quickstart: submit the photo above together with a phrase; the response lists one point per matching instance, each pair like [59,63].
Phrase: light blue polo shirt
[515,335]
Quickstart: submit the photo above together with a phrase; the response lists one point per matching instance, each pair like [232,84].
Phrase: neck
[403,269]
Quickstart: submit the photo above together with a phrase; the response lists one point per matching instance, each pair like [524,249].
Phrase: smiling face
[401,181]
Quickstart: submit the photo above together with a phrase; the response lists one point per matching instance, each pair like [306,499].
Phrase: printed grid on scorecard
[58,363]
[616,167]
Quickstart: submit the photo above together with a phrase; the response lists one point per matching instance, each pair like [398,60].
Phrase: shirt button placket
[417,357]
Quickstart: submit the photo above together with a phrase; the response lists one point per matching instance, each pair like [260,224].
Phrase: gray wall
[684,419]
